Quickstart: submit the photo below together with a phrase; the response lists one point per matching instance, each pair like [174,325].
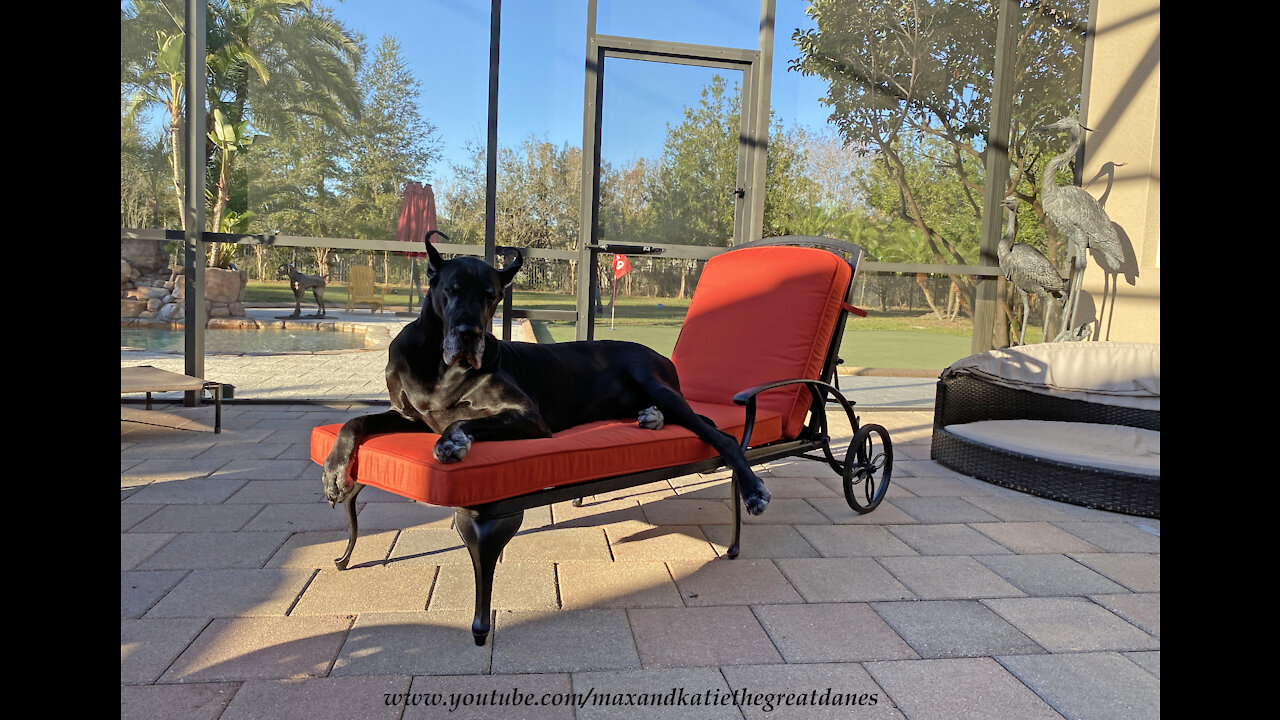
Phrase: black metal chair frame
[486,529]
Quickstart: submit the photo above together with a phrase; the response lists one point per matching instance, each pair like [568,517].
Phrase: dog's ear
[434,261]
[508,273]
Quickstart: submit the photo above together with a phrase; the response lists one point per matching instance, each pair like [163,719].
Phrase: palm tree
[908,245]
[160,82]
[269,60]
[277,60]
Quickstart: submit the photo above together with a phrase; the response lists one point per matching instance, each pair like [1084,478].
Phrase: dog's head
[284,272]
[464,293]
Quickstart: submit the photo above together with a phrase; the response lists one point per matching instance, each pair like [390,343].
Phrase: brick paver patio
[954,599]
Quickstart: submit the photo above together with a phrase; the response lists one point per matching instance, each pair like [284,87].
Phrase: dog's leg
[297,299]
[318,293]
[336,475]
[650,418]
[455,441]
[676,409]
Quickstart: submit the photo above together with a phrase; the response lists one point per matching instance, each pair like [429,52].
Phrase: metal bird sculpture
[1028,270]
[1079,217]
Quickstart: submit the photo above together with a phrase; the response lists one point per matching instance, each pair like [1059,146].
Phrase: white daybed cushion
[1110,447]
[1109,373]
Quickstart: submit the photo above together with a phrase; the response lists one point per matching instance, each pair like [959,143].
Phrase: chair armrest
[814,386]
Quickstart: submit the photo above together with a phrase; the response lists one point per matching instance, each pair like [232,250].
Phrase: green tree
[538,203]
[295,183]
[461,201]
[159,81]
[144,164]
[698,171]
[692,197]
[231,140]
[390,145]
[626,215]
[836,170]
[911,82]
[278,64]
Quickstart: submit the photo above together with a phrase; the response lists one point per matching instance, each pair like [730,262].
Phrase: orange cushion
[759,315]
[402,463]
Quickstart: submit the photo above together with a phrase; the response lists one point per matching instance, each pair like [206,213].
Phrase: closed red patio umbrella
[417,217]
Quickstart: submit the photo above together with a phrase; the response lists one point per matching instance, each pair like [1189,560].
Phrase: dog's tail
[427,239]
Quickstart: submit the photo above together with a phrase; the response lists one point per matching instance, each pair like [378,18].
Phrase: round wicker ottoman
[1060,385]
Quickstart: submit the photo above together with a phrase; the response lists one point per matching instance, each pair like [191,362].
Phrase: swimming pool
[219,340]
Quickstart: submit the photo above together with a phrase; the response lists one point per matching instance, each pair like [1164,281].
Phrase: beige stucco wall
[1122,165]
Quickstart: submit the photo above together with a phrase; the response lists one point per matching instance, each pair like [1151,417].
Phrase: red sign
[620,266]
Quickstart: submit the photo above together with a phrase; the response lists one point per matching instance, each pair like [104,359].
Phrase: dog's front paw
[452,446]
[337,482]
[651,418]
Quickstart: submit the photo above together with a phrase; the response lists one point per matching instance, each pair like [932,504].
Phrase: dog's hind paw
[651,418]
[756,502]
[452,446]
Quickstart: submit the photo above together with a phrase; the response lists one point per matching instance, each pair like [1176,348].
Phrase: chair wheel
[867,468]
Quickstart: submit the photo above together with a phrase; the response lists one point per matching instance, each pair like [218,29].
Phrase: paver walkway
[955,598]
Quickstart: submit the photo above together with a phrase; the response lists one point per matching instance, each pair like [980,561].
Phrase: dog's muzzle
[464,343]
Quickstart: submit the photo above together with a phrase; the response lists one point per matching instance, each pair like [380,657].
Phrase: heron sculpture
[1079,217]
[1027,269]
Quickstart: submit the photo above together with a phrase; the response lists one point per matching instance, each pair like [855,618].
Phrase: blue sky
[446,45]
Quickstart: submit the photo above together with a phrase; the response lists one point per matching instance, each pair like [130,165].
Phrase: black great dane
[448,374]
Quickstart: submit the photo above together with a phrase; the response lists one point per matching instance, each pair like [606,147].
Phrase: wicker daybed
[1075,422]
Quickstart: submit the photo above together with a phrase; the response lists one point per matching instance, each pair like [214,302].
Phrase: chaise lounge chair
[757,354]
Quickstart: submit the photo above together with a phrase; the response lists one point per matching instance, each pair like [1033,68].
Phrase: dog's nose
[467,332]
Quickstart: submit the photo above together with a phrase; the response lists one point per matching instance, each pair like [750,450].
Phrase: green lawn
[894,339]
[914,349]
[336,294]
[881,340]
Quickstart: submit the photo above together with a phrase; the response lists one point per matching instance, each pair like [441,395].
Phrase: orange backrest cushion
[759,315]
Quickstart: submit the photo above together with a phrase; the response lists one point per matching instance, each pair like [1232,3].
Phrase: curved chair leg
[737,517]
[350,502]
[485,537]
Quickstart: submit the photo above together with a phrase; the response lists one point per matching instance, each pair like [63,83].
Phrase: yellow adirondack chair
[361,289]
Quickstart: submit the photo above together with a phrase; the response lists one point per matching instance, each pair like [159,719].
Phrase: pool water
[218,340]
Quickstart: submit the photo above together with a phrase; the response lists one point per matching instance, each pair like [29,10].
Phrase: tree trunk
[923,281]
[1001,334]
[220,207]
[176,162]
[322,262]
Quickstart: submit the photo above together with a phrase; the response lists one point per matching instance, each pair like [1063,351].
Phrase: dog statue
[300,282]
